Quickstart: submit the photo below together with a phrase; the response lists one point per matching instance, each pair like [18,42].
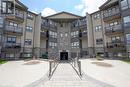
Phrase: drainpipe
[103,34]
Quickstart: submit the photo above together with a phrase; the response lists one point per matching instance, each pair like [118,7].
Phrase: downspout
[103,34]
[25,33]
[34,36]
[93,36]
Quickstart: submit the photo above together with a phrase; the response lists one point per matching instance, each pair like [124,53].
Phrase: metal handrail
[77,65]
[52,66]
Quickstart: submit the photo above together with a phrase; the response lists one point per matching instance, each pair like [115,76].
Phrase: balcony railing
[116,46]
[79,25]
[12,45]
[15,16]
[12,29]
[113,29]
[83,34]
[48,24]
[44,34]
[45,25]
[112,13]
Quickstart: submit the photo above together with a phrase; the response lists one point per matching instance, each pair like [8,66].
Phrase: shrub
[45,56]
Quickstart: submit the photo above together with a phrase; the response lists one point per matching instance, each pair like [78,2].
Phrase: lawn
[2,62]
[127,61]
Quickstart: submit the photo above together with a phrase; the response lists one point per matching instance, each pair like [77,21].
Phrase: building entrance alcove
[63,55]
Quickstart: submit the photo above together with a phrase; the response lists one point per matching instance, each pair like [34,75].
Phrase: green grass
[2,62]
[127,61]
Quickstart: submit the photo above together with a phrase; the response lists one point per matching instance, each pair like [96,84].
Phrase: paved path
[18,74]
[66,76]
[117,75]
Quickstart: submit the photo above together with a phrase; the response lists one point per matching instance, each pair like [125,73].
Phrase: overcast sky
[49,7]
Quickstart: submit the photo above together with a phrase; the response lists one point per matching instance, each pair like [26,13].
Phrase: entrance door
[64,56]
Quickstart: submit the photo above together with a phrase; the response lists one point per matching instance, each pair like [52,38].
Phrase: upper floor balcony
[116,46]
[113,30]
[79,24]
[13,10]
[47,24]
[12,30]
[11,47]
[17,16]
[112,13]
[83,34]
[44,35]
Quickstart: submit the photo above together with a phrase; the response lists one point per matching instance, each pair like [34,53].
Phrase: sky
[50,7]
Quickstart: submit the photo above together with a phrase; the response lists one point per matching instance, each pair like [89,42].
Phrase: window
[113,23]
[29,28]
[115,39]
[29,16]
[28,42]
[11,40]
[126,21]
[52,44]
[13,24]
[66,34]
[125,4]
[1,22]
[128,38]
[97,16]
[61,35]
[98,28]
[6,7]
[99,41]
[53,34]
[0,37]
[9,55]
[75,45]
[75,34]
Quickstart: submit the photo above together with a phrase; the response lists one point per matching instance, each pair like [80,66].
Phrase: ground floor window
[128,38]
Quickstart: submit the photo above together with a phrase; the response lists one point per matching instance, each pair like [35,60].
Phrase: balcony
[83,35]
[53,26]
[11,30]
[45,26]
[116,46]
[79,24]
[16,17]
[113,30]
[11,47]
[83,26]
[44,35]
[114,14]
[75,25]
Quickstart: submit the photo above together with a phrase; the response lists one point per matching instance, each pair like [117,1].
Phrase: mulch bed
[32,62]
[102,64]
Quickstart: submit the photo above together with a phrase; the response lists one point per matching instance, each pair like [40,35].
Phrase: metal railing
[112,13]
[12,45]
[52,66]
[111,29]
[76,64]
[13,29]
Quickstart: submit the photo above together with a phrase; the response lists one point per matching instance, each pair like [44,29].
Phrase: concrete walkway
[66,76]
[18,74]
[118,75]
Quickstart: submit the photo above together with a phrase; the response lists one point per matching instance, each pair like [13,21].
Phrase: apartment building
[64,35]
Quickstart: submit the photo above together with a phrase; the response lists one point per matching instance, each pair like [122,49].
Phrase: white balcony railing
[14,29]
[111,13]
[113,28]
